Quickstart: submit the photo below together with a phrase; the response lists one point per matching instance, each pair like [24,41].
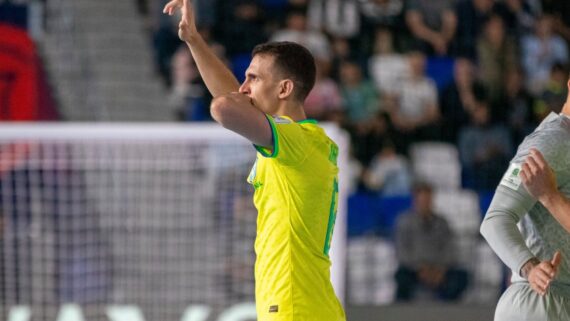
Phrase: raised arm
[217,77]
[233,110]
[540,182]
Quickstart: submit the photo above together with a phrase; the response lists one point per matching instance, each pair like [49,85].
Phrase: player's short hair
[293,61]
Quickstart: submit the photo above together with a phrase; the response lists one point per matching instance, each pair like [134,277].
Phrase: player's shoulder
[551,138]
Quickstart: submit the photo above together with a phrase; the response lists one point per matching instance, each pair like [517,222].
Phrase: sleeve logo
[511,179]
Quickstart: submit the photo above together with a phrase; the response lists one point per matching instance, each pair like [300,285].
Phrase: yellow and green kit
[296,195]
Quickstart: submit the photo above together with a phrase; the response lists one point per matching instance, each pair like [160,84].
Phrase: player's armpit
[236,113]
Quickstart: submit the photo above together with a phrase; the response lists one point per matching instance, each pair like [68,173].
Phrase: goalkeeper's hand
[187,28]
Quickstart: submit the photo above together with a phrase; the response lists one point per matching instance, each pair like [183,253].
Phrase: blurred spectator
[385,13]
[496,56]
[519,105]
[560,11]
[388,173]
[189,98]
[483,147]
[416,113]
[552,98]
[339,18]
[426,252]
[458,98]
[380,13]
[243,20]
[472,14]
[519,16]
[325,98]
[368,138]
[341,51]
[540,51]
[296,31]
[165,42]
[387,68]
[433,24]
[360,98]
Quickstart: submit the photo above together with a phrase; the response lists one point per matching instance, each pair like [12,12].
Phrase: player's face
[261,84]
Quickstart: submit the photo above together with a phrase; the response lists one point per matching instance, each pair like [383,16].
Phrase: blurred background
[435,95]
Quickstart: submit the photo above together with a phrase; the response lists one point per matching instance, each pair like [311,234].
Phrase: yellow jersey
[296,193]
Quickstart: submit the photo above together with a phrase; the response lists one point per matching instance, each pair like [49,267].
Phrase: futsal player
[295,174]
[525,233]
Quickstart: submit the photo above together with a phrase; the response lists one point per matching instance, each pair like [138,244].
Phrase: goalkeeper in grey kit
[528,227]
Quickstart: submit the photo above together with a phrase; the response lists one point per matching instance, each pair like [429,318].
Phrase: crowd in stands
[480,74]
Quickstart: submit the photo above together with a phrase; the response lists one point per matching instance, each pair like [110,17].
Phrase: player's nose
[244,89]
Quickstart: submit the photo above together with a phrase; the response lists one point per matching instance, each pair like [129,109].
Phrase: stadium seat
[239,64]
[371,214]
[461,209]
[389,209]
[371,265]
[436,163]
[362,218]
[440,70]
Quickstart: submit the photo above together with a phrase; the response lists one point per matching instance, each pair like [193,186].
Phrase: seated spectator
[471,15]
[387,68]
[384,13]
[296,31]
[560,11]
[415,115]
[519,17]
[552,98]
[359,95]
[388,173]
[433,24]
[368,138]
[496,55]
[165,42]
[243,20]
[426,252]
[189,98]
[339,18]
[540,51]
[458,98]
[325,98]
[518,103]
[484,148]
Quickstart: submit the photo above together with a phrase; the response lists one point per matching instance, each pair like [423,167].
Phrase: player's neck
[566,109]
[293,111]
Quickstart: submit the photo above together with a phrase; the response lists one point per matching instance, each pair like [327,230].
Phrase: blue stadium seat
[485,198]
[362,209]
[240,62]
[390,208]
[440,70]
[372,214]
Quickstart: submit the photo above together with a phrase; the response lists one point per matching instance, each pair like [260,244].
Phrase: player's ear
[286,87]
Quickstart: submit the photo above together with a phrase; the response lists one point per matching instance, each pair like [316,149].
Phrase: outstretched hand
[542,274]
[187,26]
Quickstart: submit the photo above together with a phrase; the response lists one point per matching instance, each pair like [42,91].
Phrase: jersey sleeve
[290,146]
[512,202]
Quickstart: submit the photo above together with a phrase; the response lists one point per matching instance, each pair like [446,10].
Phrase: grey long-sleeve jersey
[518,227]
